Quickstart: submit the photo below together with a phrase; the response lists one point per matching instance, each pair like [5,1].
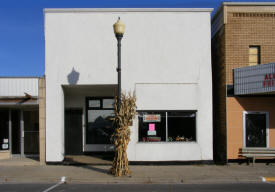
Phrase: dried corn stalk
[121,135]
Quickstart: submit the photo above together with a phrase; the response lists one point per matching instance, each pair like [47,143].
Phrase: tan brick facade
[42,120]
[245,29]
[235,27]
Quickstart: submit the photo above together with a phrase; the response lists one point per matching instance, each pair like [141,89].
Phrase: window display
[181,126]
[151,130]
[100,120]
[170,126]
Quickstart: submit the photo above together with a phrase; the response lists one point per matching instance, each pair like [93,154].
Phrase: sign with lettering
[151,133]
[254,79]
[269,80]
[151,118]
[151,127]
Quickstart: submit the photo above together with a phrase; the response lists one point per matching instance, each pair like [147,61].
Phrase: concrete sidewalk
[29,171]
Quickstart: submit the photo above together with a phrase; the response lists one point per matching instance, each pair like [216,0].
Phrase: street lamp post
[119,29]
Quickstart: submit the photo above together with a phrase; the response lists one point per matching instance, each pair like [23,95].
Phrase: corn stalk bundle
[121,136]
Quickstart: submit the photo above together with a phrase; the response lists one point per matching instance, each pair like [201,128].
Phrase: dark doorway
[31,132]
[73,132]
[16,136]
[255,130]
[4,130]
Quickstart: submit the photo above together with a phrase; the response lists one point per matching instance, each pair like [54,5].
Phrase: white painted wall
[166,59]
[18,86]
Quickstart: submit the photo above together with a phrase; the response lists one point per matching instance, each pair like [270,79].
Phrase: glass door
[100,124]
[256,129]
[31,132]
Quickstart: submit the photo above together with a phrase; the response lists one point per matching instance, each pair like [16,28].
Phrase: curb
[268,179]
[131,180]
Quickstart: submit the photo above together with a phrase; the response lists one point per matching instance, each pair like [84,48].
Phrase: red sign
[269,80]
[151,118]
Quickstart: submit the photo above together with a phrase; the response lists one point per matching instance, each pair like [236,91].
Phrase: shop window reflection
[167,126]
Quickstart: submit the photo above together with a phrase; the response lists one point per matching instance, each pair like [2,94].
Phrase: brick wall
[243,29]
[42,120]
[242,26]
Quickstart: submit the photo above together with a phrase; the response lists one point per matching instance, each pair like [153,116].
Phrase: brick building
[243,37]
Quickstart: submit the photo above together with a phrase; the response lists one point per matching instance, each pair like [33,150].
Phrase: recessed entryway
[255,129]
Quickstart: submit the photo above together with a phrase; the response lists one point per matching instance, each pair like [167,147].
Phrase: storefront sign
[152,129]
[151,133]
[151,118]
[254,79]
[269,80]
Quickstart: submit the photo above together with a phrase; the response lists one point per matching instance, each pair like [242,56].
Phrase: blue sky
[21,28]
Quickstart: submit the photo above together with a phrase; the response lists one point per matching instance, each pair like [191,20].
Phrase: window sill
[4,151]
[168,142]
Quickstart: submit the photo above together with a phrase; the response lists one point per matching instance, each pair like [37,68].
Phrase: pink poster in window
[151,127]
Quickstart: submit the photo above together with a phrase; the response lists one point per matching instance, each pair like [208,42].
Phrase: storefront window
[100,120]
[181,126]
[152,126]
[171,126]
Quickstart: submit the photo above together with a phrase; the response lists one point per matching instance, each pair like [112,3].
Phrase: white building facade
[166,60]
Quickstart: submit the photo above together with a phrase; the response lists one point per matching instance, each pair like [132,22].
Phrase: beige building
[243,37]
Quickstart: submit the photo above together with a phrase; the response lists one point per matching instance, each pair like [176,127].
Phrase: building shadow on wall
[73,77]
[263,103]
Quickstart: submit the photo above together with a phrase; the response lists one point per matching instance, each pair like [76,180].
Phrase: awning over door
[18,101]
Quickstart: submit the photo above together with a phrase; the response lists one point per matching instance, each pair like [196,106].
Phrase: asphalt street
[251,187]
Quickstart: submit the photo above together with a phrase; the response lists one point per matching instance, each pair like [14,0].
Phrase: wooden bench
[253,153]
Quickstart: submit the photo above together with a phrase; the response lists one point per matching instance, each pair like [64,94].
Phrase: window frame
[87,108]
[167,128]
[101,103]
[258,47]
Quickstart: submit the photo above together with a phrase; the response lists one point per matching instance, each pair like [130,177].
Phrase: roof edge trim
[72,10]
[21,77]
[249,3]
